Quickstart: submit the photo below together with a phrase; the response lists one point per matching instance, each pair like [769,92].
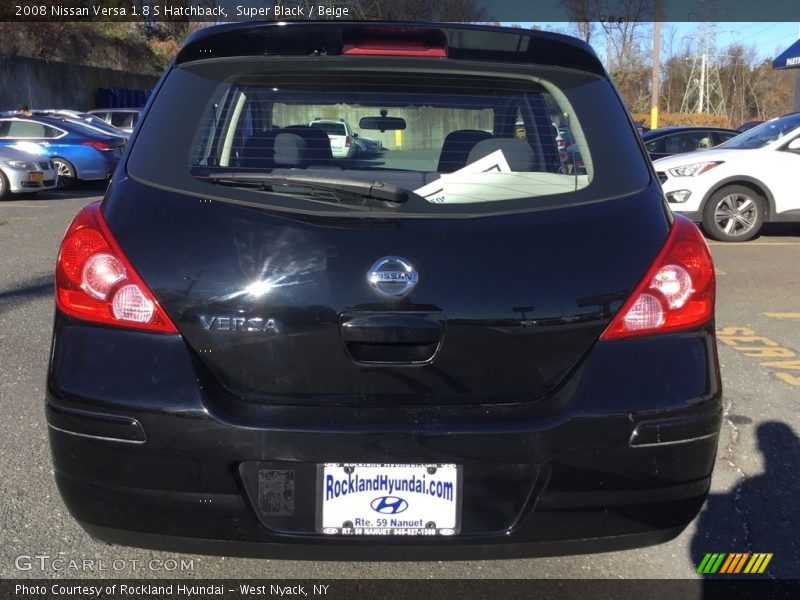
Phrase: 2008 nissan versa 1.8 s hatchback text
[460,348]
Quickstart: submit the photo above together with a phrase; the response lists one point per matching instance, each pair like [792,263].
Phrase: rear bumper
[361,551]
[92,165]
[612,461]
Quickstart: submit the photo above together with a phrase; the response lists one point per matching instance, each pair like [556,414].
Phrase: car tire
[66,173]
[734,213]
[5,187]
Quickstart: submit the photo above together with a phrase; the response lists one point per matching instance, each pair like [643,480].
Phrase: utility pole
[656,66]
[703,68]
[607,24]
[704,88]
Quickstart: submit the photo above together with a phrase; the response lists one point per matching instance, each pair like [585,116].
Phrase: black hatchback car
[667,141]
[458,348]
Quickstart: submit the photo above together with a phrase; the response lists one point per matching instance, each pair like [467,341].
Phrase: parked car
[341,136]
[121,118]
[740,185]
[75,116]
[748,125]
[78,152]
[25,172]
[457,351]
[367,147]
[666,141]
[92,121]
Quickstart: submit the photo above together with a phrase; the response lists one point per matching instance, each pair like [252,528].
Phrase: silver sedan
[23,172]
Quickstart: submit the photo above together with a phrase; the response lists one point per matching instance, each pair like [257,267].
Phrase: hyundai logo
[392,276]
[389,505]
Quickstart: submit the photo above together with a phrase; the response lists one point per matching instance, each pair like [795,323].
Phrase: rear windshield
[330,128]
[766,133]
[450,140]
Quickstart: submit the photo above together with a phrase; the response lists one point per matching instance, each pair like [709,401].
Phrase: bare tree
[582,16]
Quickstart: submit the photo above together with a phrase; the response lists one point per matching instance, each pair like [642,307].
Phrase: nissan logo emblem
[392,276]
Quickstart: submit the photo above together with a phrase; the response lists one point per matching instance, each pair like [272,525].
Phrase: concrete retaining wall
[42,84]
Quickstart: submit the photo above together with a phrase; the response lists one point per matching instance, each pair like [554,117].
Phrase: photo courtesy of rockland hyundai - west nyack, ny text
[357,299]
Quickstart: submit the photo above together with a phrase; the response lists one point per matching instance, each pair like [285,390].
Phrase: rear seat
[456,148]
[518,153]
[303,146]
[258,151]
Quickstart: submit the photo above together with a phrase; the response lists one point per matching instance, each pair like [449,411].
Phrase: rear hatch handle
[392,337]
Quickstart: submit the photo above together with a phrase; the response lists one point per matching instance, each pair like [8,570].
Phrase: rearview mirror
[382,123]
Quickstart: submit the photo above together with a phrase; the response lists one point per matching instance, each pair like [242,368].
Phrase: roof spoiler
[455,41]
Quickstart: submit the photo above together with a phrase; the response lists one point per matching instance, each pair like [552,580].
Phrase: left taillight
[96,282]
[678,291]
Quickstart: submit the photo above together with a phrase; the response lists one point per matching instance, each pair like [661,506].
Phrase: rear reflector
[677,292]
[96,282]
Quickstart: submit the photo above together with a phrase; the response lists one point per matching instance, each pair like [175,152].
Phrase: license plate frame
[385,499]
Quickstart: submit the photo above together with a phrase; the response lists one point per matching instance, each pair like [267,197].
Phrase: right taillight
[102,146]
[676,293]
[96,282]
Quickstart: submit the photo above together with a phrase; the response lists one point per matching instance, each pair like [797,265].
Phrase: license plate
[385,499]
[36,176]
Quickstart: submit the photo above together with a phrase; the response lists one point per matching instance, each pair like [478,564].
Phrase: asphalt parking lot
[753,507]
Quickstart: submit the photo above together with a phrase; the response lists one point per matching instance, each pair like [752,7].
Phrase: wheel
[66,173]
[734,213]
[5,187]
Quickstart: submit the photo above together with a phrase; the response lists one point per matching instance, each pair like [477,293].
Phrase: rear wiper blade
[379,190]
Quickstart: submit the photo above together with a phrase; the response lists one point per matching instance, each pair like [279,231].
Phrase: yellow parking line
[783,315]
[759,347]
[718,272]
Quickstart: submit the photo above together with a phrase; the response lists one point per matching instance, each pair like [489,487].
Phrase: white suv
[340,134]
[736,187]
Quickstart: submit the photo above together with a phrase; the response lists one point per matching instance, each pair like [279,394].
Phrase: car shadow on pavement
[88,189]
[760,514]
[36,288]
[780,230]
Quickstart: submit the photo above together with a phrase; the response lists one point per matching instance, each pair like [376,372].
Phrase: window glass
[27,129]
[122,119]
[326,126]
[447,134]
[687,141]
[764,134]
[448,141]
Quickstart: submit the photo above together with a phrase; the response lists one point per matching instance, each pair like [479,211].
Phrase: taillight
[348,141]
[394,48]
[380,40]
[96,282]
[102,146]
[677,292]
